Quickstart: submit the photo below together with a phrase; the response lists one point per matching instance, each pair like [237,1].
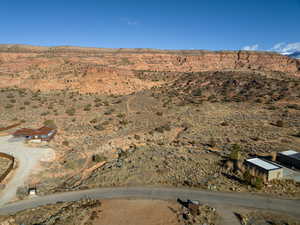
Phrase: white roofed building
[290,158]
[263,168]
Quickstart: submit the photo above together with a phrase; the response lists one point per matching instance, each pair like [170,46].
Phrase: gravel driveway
[27,159]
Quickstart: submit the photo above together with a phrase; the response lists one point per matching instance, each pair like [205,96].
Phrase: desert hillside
[135,117]
[114,71]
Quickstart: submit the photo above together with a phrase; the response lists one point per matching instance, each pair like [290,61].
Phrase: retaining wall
[11,166]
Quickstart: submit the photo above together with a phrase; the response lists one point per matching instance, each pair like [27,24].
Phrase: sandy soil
[137,212]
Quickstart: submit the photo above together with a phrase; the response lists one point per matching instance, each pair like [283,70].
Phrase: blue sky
[165,24]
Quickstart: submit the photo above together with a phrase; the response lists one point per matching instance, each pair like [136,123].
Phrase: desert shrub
[272,107]
[99,127]
[26,103]
[94,120]
[98,158]
[97,100]
[50,124]
[65,143]
[159,113]
[22,108]
[294,106]
[9,106]
[197,92]
[13,100]
[71,111]
[298,134]
[10,96]
[163,128]
[121,115]
[279,123]
[258,183]
[105,123]
[247,177]
[254,181]
[108,112]
[87,107]
[123,122]
[137,137]
[224,124]
[45,113]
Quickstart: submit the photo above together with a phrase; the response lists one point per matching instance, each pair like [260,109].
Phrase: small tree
[235,152]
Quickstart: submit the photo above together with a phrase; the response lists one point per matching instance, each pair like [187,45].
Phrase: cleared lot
[27,159]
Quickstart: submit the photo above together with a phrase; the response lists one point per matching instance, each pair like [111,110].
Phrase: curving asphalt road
[27,158]
[291,207]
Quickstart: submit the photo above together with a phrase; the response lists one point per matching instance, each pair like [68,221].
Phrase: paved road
[27,159]
[214,198]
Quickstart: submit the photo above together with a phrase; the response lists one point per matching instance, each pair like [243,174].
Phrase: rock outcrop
[111,71]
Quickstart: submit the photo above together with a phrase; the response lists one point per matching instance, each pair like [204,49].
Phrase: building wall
[288,161]
[275,174]
[267,175]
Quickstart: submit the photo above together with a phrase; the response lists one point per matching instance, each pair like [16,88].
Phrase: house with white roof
[260,167]
[290,158]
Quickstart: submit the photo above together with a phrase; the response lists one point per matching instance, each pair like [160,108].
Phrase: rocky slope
[113,71]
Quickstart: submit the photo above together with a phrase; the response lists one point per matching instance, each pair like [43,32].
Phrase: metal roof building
[272,171]
[290,158]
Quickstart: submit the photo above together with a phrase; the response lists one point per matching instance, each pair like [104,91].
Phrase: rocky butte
[112,71]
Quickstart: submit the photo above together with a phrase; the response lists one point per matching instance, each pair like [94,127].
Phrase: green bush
[258,183]
[235,153]
[71,111]
[98,158]
[50,124]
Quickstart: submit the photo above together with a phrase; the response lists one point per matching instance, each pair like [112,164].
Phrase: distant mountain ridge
[118,71]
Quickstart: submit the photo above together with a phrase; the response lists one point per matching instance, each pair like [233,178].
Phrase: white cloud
[251,47]
[284,48]
[129,21]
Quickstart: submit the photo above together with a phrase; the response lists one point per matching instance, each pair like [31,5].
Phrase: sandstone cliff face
[112,71]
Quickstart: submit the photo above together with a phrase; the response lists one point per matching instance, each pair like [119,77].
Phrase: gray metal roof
[263,164]
[291,154]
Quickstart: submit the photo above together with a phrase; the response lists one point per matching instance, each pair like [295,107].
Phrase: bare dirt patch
[136,212]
